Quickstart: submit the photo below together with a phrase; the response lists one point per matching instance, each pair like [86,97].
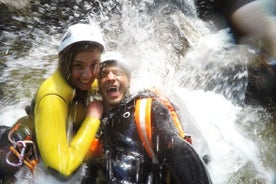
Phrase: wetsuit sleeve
[57,152]
[179,158]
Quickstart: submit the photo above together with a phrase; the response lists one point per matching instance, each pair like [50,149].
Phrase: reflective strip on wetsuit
[143,123]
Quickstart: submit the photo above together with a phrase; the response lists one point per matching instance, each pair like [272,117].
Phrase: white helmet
[81,32]
[117,58]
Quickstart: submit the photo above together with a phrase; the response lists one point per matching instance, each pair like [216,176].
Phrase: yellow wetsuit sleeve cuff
[86,133]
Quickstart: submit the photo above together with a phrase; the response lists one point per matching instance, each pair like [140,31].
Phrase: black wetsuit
[126,159]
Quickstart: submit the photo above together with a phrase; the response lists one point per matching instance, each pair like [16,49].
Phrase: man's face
[113,84]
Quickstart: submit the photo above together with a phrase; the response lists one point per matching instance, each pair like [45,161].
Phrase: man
[167,158]
[250,21]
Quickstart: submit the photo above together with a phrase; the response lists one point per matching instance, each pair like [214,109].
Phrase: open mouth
[112,89]
[85,82]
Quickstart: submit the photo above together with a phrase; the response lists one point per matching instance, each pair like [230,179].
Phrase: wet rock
[10,9]
[2,67]
[16,4]
[261,89]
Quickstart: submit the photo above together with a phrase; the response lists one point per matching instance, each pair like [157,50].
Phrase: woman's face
[85,68]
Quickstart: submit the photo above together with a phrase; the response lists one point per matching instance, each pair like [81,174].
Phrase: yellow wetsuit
[57,151]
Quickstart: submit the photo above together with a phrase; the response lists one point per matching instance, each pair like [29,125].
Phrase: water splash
[171,51]
[231,151]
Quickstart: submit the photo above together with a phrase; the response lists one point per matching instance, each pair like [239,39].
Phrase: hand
[95,109]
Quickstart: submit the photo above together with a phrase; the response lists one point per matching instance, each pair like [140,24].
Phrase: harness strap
[143,122]
[176,120]
[173,115]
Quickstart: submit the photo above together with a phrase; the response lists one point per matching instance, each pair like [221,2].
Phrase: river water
[168,48]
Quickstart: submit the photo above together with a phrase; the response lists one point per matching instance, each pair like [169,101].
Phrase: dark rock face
[261,89]
[48,16]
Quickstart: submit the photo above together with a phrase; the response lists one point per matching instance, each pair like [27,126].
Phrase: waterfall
[170,48]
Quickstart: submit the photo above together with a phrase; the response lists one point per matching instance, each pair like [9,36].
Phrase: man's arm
[178,156]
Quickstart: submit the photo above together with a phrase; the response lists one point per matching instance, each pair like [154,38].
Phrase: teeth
[112,89]
[84,82]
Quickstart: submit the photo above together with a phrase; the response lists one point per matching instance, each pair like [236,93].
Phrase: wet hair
[67,55]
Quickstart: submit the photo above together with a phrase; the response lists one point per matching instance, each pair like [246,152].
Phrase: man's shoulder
[146,93]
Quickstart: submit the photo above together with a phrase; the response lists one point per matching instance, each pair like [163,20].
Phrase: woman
[65,121]
[64,125]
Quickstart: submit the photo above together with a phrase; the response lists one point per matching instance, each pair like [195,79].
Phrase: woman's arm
[56,151]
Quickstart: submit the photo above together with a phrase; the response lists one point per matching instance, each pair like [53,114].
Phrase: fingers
[95,109]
